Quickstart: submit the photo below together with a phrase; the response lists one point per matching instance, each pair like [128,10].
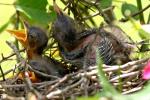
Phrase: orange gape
[21,35]
[29,74]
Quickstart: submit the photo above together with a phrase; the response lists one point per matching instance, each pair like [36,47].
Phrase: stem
[6,4]
[139,5]
[148,21]
[17,27]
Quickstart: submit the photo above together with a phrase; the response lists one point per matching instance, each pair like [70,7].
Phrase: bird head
[32,38]
[64,27]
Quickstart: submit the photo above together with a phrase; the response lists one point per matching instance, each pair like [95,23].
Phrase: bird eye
[32,35]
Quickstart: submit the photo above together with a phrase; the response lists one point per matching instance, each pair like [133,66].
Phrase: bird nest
[125,78]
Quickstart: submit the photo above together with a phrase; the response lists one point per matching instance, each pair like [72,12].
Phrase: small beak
[57,9]
[21,35]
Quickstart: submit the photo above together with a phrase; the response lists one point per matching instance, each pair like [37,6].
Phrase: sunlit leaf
[129,9]
[3,27]
[35,11]
[105,3]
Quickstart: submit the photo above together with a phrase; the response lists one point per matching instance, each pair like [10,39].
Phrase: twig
[134,67]
[17,27]
[104,15]
[2,73]
[132,90]
[7,72]
[57,92]
[111,7]
[87,74]
[47,83]
[58,83]
[7,97]
[114,68]
[24,85]
[124,76]
[19,57]
[11,55]
[29,84]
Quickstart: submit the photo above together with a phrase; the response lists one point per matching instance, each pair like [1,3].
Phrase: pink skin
[89,40]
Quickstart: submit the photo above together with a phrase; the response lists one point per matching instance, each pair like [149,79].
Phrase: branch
[111,7]
[19,57]
[132,90]
[113,68]
[7,72]
[11,55]
[57,92]
[7,97]
[124,76]
[2,73]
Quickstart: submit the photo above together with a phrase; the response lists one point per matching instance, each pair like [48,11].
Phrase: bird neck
[33,54]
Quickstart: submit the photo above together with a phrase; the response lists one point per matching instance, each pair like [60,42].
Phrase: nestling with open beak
[35,40]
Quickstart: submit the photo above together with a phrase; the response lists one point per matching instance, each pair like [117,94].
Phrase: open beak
[21,35]
[57,9]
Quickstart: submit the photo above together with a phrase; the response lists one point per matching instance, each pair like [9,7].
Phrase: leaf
[95,97]
[142,33]
[35,10]
[105,3]
[129,9]
[107,87]
[141,95]
[3,27]
[148,20]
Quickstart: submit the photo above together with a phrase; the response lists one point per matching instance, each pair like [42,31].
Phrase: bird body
[48,66]
[77,46]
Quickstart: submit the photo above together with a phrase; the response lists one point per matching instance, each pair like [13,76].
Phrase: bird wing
[106,50]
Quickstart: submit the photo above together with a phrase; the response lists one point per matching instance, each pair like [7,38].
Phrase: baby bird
[78,45]
[35,40]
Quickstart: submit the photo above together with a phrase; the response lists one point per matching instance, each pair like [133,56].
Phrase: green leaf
[129,9]
[105,3]
[95,97]
[107,87]
[141,95]
[142,33]
[3,27]
[35,11]
[148,20]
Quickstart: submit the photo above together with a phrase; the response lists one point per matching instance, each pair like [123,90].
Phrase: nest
[125,78]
